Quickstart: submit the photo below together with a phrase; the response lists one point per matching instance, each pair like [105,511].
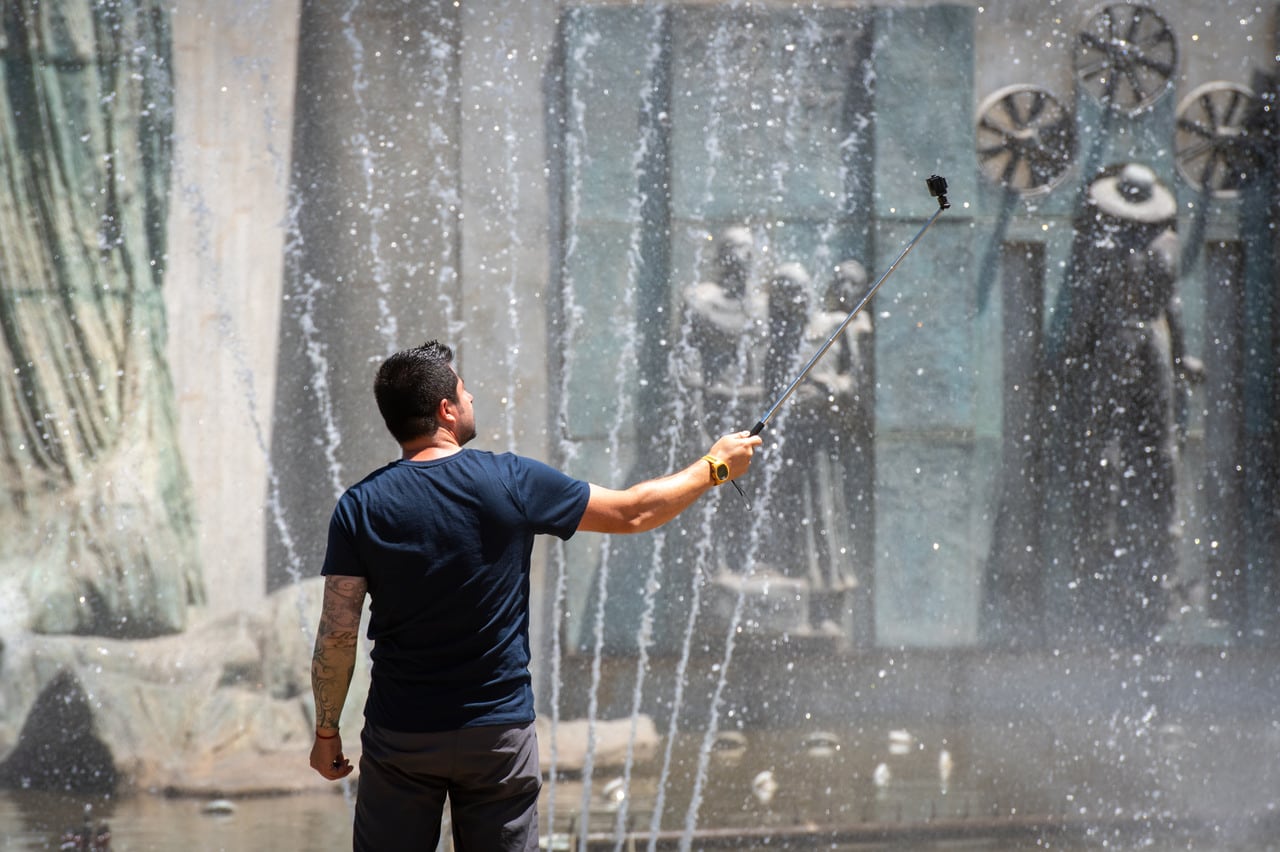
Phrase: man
[440,540]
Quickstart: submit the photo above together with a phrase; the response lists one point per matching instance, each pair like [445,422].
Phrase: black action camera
[938,189]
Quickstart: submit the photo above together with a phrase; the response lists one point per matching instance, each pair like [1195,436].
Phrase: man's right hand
[735,450]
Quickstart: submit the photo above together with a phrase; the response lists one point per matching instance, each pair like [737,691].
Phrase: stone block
[927,576]
[767,107]
[602,344]
[610,59]
[925,343]
[924,106]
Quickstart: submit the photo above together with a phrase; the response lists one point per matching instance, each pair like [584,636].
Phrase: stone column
[233,92]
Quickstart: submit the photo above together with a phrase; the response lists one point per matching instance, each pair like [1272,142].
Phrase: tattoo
[334,659]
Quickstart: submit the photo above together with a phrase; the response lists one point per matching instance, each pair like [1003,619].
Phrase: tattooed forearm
[334,658]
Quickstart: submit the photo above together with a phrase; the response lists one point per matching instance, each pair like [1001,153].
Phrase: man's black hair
[409,387]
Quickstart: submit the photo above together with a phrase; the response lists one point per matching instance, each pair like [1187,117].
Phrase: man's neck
[431,447]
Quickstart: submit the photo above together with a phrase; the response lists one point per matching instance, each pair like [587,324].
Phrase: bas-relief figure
[751,340]
[1116,384]
[726,315]
[832,418]
[783,544]
[96,516]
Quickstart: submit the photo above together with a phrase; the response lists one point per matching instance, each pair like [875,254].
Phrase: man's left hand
[328,760]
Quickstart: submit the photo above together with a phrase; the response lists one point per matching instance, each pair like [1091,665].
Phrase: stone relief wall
[97,509]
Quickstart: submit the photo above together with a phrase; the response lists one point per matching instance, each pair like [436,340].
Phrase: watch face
[722,471]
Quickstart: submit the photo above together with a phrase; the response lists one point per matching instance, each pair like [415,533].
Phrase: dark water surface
[32,820]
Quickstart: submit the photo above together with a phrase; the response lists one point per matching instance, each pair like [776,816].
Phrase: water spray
[938,189]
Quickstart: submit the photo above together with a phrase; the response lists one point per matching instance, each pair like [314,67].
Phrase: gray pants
[490,775]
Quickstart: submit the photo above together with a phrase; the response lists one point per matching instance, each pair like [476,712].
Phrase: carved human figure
[725,316]
[96,512]
[751,345]
[788,312]
[1123,360]
[814,490]
[837,380]
[833,416]
[785,549]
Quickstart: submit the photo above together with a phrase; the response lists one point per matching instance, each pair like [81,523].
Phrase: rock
[573,738]
[58,748]
[218,807]
[224,709]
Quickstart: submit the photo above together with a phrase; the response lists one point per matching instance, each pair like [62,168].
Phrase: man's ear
[447,413]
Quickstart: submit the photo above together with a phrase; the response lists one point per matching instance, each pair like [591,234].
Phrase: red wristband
[321,736]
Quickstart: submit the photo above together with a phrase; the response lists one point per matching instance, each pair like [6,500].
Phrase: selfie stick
[938,189]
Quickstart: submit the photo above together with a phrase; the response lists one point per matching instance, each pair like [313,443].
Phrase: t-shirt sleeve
[553,501]
[340,557]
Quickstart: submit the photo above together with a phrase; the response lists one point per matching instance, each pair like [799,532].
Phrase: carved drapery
[96,511]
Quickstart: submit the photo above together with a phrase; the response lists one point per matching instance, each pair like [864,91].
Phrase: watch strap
[719,470]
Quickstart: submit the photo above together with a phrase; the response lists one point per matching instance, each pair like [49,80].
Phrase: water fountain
[547,185]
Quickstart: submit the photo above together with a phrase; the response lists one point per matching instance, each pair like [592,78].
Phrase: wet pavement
[1119,784]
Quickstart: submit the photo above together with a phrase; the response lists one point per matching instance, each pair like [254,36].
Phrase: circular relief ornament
[1213,149]
[1126,56]
[1026,139]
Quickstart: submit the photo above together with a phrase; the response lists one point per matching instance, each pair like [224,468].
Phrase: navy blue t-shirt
[445,548]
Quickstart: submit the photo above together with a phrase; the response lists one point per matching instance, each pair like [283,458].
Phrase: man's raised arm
[650,504]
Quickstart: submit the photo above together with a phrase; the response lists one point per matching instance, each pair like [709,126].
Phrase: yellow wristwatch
[719,470]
